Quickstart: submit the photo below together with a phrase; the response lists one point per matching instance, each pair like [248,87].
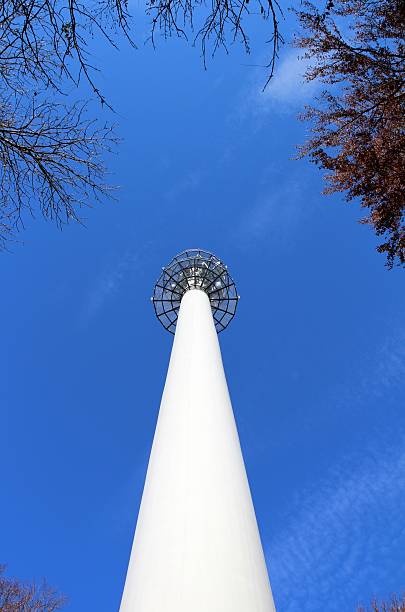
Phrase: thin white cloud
[289,87]
[343,523]
[107,284]
[187,184]
[327,551]
[276,215]
[286,93]
[390,365]
[378,374]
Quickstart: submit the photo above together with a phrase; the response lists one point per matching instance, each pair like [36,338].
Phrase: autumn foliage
[395,605]
[18,597]
[356,50]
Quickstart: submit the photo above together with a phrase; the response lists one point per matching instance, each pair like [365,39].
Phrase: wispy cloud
[289,87]
[107,284]
[277,214]
[380,373]
[287,92]
[187,184]
[328,549]
[343,531]
[389,365]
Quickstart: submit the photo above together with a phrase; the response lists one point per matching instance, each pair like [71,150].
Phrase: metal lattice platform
[195,269]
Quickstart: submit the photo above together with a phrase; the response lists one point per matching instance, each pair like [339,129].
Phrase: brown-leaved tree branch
[16,596]
[356,49]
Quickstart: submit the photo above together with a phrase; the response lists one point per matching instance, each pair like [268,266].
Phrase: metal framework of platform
[195,269]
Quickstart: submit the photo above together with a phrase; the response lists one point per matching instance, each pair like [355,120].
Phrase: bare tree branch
[215,24]
[395,605]
[51,154]
[18,597]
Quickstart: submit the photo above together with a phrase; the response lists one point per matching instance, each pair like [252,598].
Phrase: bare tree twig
[19,597]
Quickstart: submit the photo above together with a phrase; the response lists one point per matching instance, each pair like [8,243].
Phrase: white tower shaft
[196,546]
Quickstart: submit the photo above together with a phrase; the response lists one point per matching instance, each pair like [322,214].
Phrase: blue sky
[315,357]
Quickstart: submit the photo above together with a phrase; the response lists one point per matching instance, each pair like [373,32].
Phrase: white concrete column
[196,546]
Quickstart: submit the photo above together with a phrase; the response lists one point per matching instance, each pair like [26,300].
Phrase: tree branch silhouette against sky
[356,49]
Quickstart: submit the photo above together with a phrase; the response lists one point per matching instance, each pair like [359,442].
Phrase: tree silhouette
[51,149]
[356,50]
[18,597]
[395,605]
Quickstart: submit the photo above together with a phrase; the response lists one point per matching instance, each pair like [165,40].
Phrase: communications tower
[196,546]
